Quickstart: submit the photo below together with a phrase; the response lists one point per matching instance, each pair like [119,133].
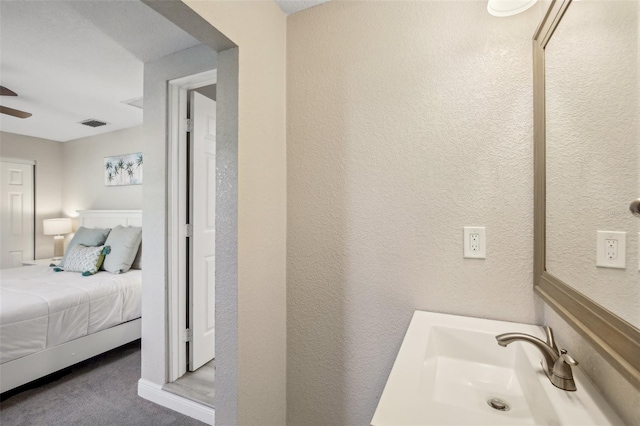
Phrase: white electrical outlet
[611,251]
[474,243]
[475,246]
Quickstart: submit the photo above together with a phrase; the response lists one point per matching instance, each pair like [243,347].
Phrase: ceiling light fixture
[504,8]
[135,102]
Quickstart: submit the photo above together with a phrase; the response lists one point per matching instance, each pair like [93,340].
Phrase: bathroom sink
[451,371]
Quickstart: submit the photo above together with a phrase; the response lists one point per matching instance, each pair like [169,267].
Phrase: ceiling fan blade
[14,112]
[6,92]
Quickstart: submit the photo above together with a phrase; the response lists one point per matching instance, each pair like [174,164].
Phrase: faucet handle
[551,341]
[562,375]
[564,357]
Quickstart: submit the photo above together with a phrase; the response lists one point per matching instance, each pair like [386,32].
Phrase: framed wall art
[123,170]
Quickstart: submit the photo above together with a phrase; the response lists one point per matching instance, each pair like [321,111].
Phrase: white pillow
[124,243]
[137,262]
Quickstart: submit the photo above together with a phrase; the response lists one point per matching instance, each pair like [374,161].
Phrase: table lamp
[57,227]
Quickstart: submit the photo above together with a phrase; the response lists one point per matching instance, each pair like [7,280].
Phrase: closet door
[17,216]
[203,220]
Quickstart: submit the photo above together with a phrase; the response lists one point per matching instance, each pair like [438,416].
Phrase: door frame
[177,216]
[17,161]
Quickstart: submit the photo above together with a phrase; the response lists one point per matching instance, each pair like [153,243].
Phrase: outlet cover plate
[478,234]
[619,261]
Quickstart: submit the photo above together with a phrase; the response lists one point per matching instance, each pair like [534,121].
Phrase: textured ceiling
[136,27]
[293,6]
[70,61]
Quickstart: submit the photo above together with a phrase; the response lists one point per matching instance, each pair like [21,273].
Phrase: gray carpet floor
[100,391]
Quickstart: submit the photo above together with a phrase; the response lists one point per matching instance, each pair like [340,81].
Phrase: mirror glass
[593,154]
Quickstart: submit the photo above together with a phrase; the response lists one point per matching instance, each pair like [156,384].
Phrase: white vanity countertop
[449,366]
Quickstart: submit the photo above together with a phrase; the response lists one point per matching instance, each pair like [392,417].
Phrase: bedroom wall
[259,30]
[49,167]
[83,177]
[405,122]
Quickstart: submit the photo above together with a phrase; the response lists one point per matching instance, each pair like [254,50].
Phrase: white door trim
[177,215]
[17,160]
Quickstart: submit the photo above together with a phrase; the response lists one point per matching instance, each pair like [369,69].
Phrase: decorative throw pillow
[88,237]
[124,243]
[84,259]
[137,262]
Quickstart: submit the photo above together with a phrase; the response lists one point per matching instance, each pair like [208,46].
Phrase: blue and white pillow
[84,259]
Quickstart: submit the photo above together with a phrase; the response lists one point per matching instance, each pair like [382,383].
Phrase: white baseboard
[154,393]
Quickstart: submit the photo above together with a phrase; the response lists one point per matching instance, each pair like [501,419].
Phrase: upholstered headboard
[109,218]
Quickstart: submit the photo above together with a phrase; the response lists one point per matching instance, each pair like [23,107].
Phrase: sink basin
[451,371]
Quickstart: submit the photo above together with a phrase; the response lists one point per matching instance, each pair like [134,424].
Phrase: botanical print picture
[123,170]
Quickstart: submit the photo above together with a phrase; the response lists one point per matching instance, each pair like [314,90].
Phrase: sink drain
[498,404]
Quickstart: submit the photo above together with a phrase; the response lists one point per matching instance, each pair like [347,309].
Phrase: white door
[202,142]
[17,221]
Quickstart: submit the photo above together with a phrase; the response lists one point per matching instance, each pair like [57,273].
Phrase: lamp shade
[57,226]
[508,7]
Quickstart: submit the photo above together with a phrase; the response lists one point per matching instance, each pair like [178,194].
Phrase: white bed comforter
[40,308]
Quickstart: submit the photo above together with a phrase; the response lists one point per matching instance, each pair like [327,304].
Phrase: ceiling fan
[10,111]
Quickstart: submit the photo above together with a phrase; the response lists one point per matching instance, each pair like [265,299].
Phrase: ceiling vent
[92,122]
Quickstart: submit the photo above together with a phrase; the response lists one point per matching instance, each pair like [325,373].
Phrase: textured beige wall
[405,122]
[49,171]
[259,30]
[83,178]
[592,149]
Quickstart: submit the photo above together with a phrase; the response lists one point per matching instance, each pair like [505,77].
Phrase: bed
[52,320]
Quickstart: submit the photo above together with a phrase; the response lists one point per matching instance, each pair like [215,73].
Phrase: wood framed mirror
[613,337]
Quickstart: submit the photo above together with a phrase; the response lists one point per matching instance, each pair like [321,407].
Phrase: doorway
[193,204]
[162,327]
[17,240]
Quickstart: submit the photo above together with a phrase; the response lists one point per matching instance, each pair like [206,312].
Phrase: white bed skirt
[26,369]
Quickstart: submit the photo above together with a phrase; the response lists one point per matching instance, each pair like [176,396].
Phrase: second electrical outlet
[475,242]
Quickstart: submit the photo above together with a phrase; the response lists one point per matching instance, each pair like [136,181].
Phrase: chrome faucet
[557,364]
